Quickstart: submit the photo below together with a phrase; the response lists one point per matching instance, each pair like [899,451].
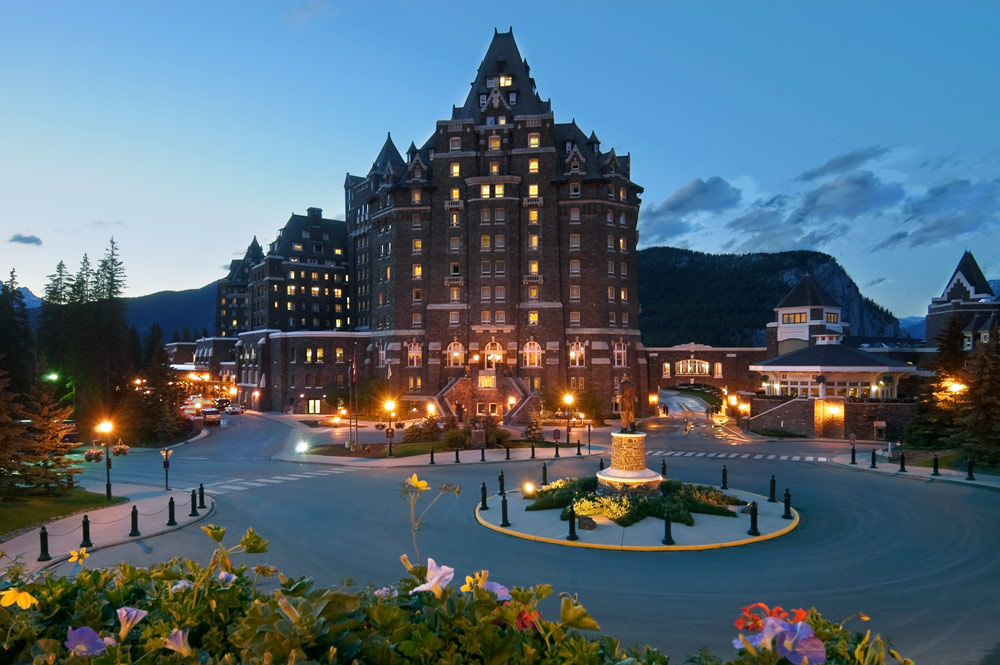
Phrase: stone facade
[722,367]
[832,418]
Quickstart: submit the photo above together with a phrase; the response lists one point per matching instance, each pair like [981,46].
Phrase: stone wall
[860,418]
[796,415]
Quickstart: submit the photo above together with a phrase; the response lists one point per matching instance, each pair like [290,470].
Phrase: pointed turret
[389,159]
[505,69]
[968,282]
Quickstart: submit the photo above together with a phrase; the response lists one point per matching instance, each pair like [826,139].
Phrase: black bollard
[43,537]
[579,453]
[86,533]
[432,454]
[874,465]
[601,466]
[788,505]
[532,450]
[771,498]
[936,472]
[456,456]
[201,496]
[507,452]
[902,462]
[668,538]
[171,518]
[663,468]
[500,480]
[572,524]
[134,533]
[194,504]
[545,474]
[482,502]
[854,454]
[557,449]
[503,511]
[725,477]
[970,476]
[482,453]
[753,520]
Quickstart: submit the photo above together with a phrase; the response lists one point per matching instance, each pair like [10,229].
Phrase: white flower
[182,584]
[437,577]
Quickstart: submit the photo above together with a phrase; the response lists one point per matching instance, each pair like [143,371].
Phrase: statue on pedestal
[626,403]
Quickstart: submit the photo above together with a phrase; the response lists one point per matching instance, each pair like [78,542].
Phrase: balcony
[454,205]
[532,279]
[530,201]
[454,280]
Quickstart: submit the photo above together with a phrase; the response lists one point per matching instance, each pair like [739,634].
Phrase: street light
[165,453]
[568,402]
[105,428]
[388,407]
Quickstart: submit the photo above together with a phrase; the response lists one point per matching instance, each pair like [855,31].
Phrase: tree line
[84,364]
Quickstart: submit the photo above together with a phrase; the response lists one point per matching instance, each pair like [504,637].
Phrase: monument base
[615,482]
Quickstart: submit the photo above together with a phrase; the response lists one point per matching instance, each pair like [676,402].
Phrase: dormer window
[490,120]
[506,81]
[502,120]
[417,173]
[513,99]
[574,166]
[455,144]
[482,101]
[491,82]
[569,147]
[533,140]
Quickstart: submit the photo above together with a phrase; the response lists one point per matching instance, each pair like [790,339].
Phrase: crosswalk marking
[809,459]
[783,457]
[771,456]
[233,487]
[821,459]
[269,480]
[709,455]
[700,455]
[249,483]
[796,458]
[745,456]
[299,475]
[689,454]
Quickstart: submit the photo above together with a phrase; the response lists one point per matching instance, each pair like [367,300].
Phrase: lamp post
[568,402]
[166,453]
[390,415]
[105,428]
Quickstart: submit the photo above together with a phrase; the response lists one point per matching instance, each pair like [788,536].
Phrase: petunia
[23,599]
[78,557]
[226,578]
[386,592]
[177,641]
[797,643]
[85,641]
[417,484]
[437,578]
[500,590]
[128,617]
[772,627]
[181,585]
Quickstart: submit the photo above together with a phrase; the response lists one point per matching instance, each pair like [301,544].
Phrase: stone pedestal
[628,475]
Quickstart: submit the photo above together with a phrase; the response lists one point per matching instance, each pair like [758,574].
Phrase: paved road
[918,557]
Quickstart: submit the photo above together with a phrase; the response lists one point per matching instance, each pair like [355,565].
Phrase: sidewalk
[443,458]
[108,526]
[887,468]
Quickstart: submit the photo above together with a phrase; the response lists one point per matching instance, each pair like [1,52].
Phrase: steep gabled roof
[388,157]
[254,252]
[972,275]
[503,57]
[807,293]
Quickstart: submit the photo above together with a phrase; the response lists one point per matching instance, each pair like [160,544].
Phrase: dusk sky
[864,129]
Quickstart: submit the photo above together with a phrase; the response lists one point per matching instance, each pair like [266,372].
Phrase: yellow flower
[78,557]
[864,617]
[419,485]
[23,599]
[406,562]
[477,580]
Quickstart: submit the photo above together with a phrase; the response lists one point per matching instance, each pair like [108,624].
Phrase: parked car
[234,408]
[221,403]
[212,416]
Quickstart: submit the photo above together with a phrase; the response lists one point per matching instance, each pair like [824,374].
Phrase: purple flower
[386,592]
[500,590]
[128,617]
[226,578]
[797,642]
[178,641]
[181,585]
[86,642]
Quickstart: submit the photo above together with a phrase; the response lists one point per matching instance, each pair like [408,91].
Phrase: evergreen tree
[109,281]
[937,408]
[979,419]
[44,461]
[55,327]
[592,405]
[16,341]
[11,440]
[80,289]
[162,397]
[152,343]
[533,432]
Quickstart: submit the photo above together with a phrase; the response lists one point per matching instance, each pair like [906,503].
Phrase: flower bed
[679,498]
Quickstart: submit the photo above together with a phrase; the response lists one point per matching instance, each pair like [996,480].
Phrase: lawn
[18,515]
[947,459]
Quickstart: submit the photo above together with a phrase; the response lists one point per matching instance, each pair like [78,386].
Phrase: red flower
[527,619]
[752,617]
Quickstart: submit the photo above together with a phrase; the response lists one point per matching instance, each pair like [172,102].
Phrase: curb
[200,435]
[641,548]
[65,557]
[921,477]
[376,463]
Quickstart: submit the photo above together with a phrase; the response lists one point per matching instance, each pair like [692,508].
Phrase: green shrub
[455,438]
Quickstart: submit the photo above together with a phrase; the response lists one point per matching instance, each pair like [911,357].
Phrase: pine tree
[934,422]
[109,281]
[979,419]
[16,341]
[533,432]
[12,432]
[45,465]
[80,289]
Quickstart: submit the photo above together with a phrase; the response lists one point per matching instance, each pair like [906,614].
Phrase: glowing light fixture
[301,447]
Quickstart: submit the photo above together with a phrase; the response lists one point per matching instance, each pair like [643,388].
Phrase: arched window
[456,354]
[493,355]
[532,353]
[414,354]
[692,367]
[577,357]
[621,354]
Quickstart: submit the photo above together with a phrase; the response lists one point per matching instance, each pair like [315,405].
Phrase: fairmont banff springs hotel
[495,261]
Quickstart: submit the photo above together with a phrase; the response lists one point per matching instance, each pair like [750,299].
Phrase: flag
[388,374]
[354,367]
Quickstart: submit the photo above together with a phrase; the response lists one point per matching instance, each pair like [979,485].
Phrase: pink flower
[437,578]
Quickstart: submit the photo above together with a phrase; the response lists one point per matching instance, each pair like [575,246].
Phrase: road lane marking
[709,454]
[820,459]
[268,480]
[282,478]
[745,456]
[252,484]
[700,455]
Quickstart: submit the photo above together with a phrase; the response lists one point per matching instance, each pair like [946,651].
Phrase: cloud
[25,240]
[951,210]
[847,161]
[848,196]
[876,282]
[670,218]
[310,11]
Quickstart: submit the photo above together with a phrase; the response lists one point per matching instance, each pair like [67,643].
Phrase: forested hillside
[728,299]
